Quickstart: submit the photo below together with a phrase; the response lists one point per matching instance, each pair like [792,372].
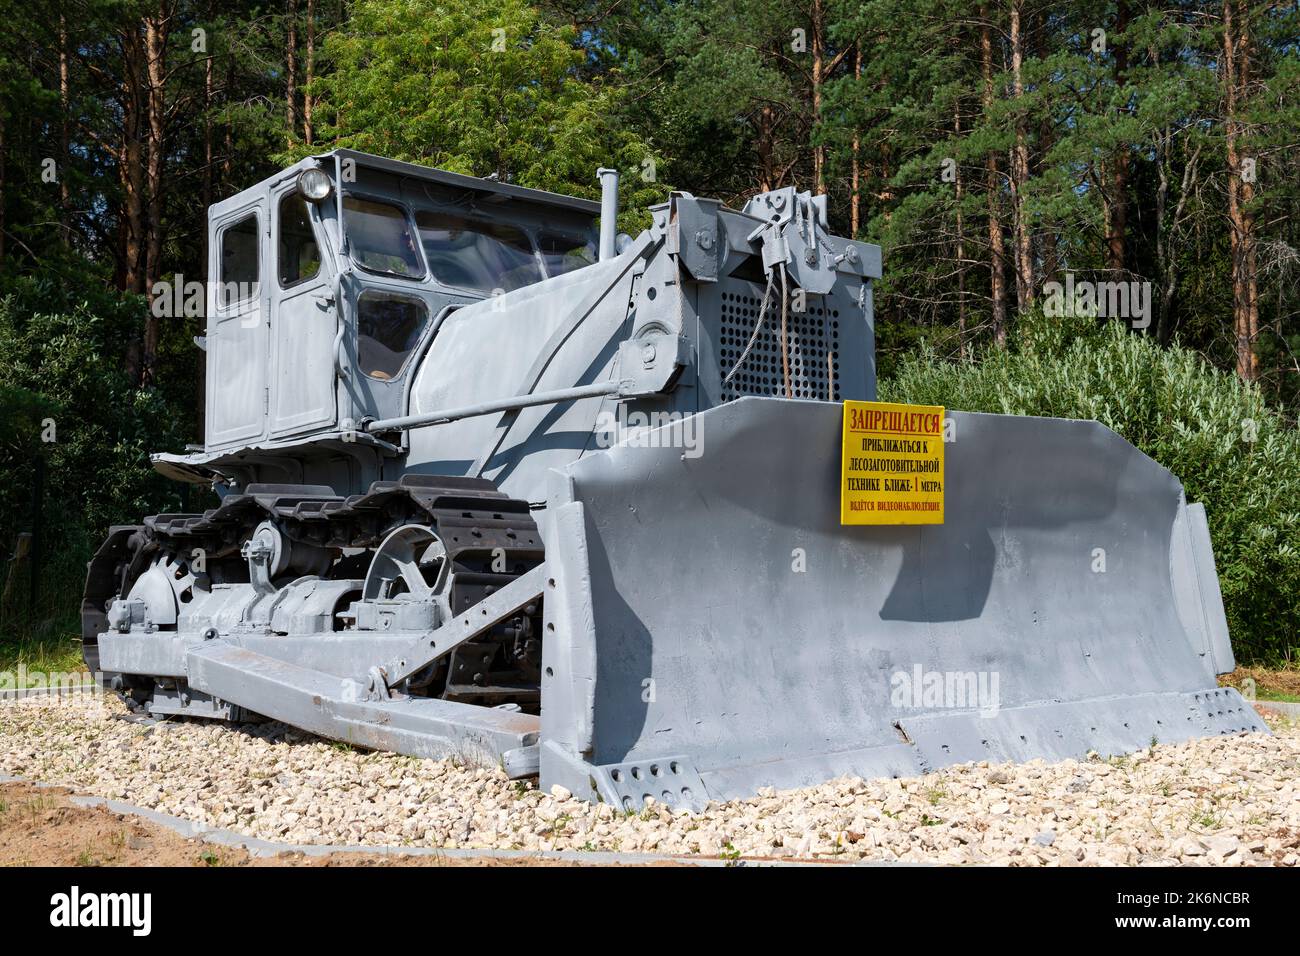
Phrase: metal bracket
[696,239]
[649,363]
[486,614]
[259,553]
[671,781]
[794,231]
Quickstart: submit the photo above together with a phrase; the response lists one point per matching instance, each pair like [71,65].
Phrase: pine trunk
[291,74]
[993,186]
[65,139]
[1245,294]
[1116,205]
[157,28]
[961,240]
[308,132]
[4,147]
[819,53]
[1020,168]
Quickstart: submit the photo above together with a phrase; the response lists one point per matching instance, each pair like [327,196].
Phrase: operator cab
[333,276]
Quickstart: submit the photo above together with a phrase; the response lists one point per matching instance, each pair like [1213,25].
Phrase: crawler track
[490,540]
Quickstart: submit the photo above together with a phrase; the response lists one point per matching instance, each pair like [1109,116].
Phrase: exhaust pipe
[608,211]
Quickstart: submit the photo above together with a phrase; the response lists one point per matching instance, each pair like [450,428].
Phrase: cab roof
[460,181]
[486,187]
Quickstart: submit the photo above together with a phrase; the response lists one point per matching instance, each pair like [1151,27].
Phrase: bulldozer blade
[712,628]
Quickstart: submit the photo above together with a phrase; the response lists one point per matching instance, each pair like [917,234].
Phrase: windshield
[379,237]
[477,254]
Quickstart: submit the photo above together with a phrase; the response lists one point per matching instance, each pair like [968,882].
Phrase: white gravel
[1220,801]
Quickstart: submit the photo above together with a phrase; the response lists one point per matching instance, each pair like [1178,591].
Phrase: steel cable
[762,311]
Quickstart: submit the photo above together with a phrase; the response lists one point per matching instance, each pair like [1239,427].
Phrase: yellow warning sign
[891,465]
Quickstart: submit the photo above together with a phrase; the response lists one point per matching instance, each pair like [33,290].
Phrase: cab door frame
[236,340]
[302,383]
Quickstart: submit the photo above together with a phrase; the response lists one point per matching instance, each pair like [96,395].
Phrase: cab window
[565,253]
[239,267]
[477,254]
[379,238]
[299,255]
[389,327]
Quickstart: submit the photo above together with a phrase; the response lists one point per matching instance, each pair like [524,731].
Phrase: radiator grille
[813,336]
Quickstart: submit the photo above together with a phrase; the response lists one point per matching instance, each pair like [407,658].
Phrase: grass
[1209,820]
[42,635]
[38,656]
[37,806]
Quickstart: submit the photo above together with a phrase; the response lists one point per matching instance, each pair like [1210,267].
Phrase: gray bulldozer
[498,483]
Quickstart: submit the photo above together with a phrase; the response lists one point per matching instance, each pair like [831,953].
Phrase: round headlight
[314,185]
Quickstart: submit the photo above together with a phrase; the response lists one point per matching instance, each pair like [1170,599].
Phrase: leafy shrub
[61,360]
[1232,453]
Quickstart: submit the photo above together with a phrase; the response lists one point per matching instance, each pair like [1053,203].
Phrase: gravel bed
[1220,801]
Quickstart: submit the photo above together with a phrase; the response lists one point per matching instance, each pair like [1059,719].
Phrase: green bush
[67,403]
[1232,452]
